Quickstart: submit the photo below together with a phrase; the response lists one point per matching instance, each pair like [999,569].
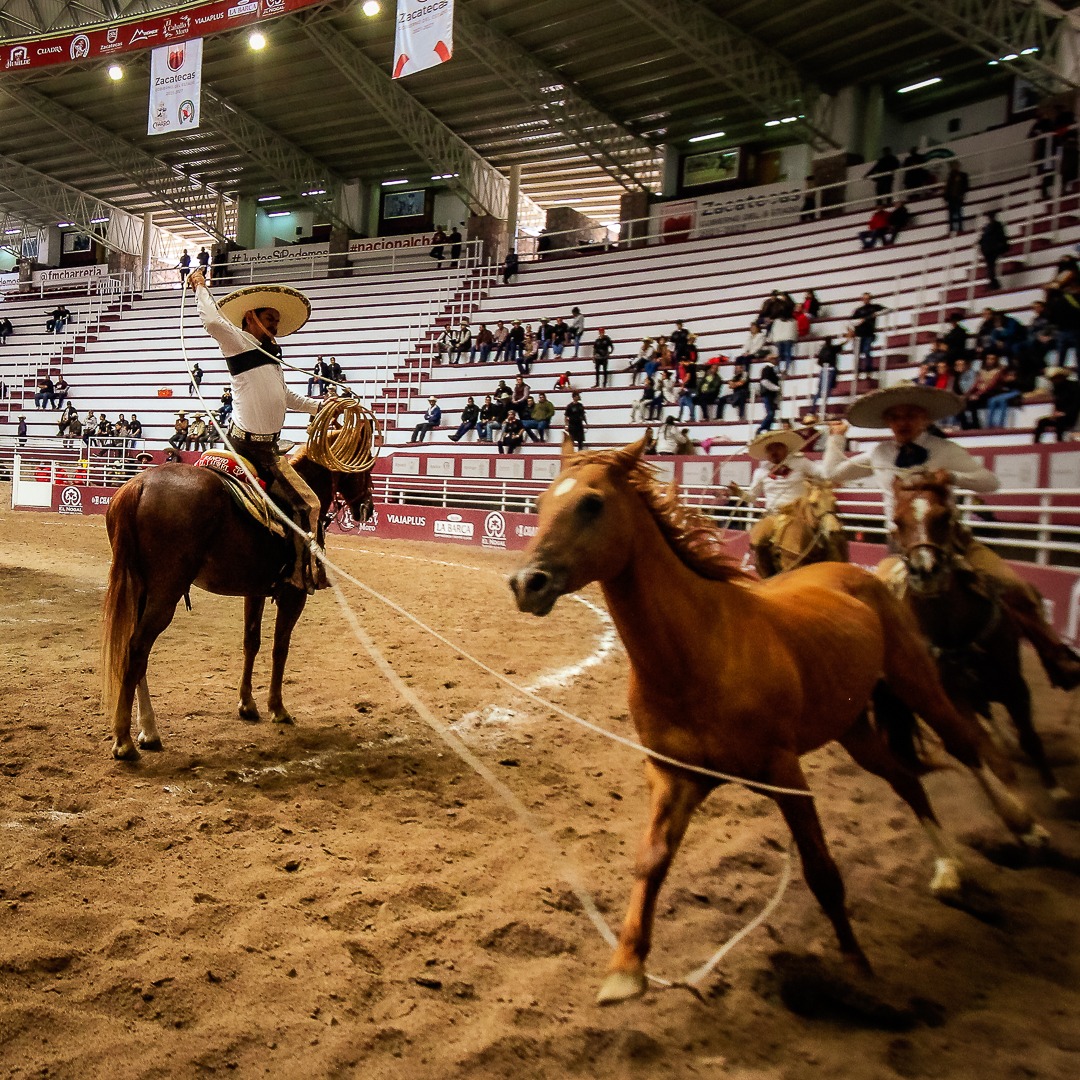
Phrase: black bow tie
[910,455]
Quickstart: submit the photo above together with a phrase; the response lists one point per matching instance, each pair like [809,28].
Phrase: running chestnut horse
[975,642]
[744,677]
[176,526]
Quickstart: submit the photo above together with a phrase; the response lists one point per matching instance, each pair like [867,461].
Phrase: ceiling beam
[745,65]
[631,161]
[996,28]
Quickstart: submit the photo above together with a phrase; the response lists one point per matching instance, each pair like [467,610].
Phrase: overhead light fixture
[788,119]
[115,72]
[711,135]
[98,220]
[12,232]
[445,176]
[772,123]
[257,40]
[371,8]
[314,191]
[919,85]
[1029,51]
[268,198]
[391,183]
[280,213]
[65,224]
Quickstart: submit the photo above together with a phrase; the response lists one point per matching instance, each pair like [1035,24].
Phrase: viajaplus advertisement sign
[146,33]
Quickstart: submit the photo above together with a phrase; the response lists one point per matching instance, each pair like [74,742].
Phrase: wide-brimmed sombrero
[791,439]
[292,306]
[869,411]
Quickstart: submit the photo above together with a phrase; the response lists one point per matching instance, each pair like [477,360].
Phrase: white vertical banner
[175,83]
[425,35]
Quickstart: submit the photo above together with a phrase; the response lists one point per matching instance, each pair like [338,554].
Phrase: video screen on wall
[403,204]
[715,167]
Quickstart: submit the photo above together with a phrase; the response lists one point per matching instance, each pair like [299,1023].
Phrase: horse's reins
[444,733]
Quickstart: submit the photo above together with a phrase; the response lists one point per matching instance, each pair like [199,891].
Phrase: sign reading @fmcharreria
[425,35]
[175,82]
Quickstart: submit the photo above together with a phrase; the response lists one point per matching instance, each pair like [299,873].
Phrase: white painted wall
[932,130]
[267,229]
[449,210]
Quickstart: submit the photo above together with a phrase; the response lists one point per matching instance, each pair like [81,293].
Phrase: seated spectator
[642,409]
[646,353]
[60,390]
[314,383]
[708,390]
[576,421]
[519,396]
[487,420]
[529,351]
[172,456]
[667,438]
[225,411]
[772,306]
[1005,394]
[877,228]
[1066,411]
[334,372]
[666,389]
[57,319]
[74,431]
[665,356]
[808,310]
[943,375]
[1007,334]
[515,341]
[753,345]
[539,419]
[955,339]
[985,386]
[432,419]
[482,344]
[513,434]
[560,336]
[461,343]
[900,217]
[196,434]
[69,414]
[46,393]
[470,415]
[925,375]
[180,430]
[563,381]
[498,339]
[444,344]
[738,394]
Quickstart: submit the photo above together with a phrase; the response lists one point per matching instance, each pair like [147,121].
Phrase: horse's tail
[900,728]
[124,594]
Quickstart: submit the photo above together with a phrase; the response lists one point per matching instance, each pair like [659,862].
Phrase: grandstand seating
[381,328]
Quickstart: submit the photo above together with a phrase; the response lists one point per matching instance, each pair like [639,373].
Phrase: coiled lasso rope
[344,436]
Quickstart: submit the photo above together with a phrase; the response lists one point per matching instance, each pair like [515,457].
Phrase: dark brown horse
[745,677]
[975,642]
[177,526]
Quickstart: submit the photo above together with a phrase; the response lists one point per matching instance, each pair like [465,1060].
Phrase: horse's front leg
[253,613]
[290,603]
[148,738]
[674,799]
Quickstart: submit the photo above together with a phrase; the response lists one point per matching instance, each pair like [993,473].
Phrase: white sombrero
[869,411]
[791,439]
[292,306]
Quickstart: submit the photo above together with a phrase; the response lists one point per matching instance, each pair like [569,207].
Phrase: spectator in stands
[943,375]
[646,353]
[22,429]
[667,438]
[462,341]
[502,390]
[519,396]
[513,434]
[226,407]
[135,430]
[443,344]
[333,370]
[828,359]
[576,421]
[900,217]
[196,434]
[769,309]
[203,259]
[515,338]
[1066,395]
[180,430]
[432,419]
[70,413]
[577,329]
[664,354]
[916,175]
[455,246]
[498,339]
[46,393]
[487,418]
[438,249]
[544,330]
[708,390]
[106,436]
[563,381]
[6,329]
[864,332]
[738,393]
[1006,394]
[602,349]
[954,193]
[680,341]
[510,266]
[530,351]
[769,384]
[807,311]
[1006,334]
[57,319]
[686,403]
[993,243]
[1063,307]
[74,430]
[184,266]
[470,415]
[538,421]
[482,344]
[88,430]
[560,336]
[783,333]
[753,345]
[883,172]
[955,338]
[642,409]
[314,384]
[60,390]
[877,228]
[196,378]
[987,380]
[666,389]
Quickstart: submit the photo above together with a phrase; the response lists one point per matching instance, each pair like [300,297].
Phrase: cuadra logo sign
[452,525]
[70,501]
[494,530]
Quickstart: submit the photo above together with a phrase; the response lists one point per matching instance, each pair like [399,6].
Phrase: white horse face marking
[920,508]
[563,486]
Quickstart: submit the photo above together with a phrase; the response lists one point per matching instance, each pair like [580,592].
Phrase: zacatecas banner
[175,85]
[425,35]
[193,22]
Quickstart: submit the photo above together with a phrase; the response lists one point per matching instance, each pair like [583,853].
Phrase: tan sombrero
[791,439]
[292,306]
[869,411]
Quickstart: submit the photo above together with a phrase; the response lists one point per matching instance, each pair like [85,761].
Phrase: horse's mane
[692,536]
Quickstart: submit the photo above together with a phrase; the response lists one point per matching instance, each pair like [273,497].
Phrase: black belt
[238,433]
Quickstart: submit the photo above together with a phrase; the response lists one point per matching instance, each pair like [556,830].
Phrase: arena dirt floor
[345,897]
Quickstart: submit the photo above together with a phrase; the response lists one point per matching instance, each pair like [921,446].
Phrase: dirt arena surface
[344,897]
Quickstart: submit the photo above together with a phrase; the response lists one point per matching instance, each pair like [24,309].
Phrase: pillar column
[147,249]
[512,201]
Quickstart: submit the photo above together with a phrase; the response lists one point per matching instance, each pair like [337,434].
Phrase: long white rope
[569,871]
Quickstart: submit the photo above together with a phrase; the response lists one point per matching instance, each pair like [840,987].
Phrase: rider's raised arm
[837,468]
[299,403]
[232,339]
[968,472]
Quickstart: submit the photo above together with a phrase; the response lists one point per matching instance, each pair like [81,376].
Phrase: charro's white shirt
[880,462]
[260,396]
[781,490]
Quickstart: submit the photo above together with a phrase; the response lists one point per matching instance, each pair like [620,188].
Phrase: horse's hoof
[124,751]
[148,744]
[947,882]
[621,986]
[1036,838]
[248,712]
[282,716]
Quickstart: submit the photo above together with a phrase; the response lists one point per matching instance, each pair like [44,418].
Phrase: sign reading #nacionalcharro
[146,33]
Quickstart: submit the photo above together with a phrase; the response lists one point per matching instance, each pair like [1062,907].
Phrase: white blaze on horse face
[563,486]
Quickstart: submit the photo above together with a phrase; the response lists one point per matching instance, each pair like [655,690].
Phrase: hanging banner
[425,35]
[175,82]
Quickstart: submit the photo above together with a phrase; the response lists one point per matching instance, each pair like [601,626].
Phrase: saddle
[229,468]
